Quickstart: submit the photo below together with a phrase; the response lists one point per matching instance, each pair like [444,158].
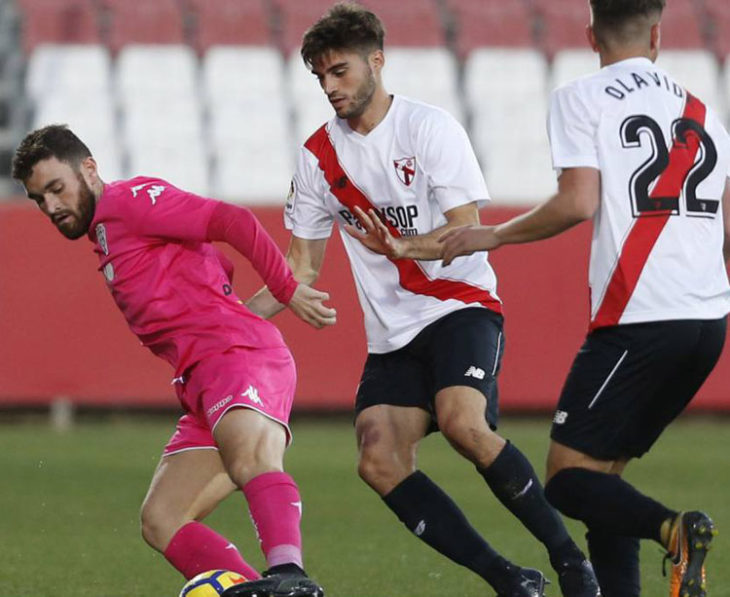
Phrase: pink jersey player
[234,376]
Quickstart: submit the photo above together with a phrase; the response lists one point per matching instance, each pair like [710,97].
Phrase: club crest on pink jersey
[101,237]
[405,168]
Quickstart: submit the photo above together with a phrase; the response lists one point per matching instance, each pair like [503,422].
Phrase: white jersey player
[394,174]
[649,162]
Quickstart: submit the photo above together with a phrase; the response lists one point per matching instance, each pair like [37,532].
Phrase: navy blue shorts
[463,348]
[628,382]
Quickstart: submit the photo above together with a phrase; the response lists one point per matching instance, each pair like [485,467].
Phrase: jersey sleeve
[571,132]
[306,213]
[157,209]
[447,158]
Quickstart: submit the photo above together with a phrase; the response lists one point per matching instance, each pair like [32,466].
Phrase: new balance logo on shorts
[253,395]
[475,372]
[560,417]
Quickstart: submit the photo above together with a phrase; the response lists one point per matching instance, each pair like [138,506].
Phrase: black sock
[607,503]
[615,561]
[514,482]
[435,519]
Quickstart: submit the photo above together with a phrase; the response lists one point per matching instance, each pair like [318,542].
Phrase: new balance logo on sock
[475,372]
[252,394]
[420,528]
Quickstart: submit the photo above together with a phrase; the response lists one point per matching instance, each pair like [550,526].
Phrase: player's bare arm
[378,238]
[726,221]
[305,258]
[576,201]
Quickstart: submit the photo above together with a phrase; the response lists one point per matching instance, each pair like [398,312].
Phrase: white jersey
[664,158]
[413,167]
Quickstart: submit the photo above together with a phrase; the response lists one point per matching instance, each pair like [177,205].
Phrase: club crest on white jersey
[405,168]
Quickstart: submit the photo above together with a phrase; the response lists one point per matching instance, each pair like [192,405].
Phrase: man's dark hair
[55,140]
[346,26]
[618,19]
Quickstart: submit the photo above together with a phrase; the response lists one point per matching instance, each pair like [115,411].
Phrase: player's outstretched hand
[376,237]
[308,304]
[465,240]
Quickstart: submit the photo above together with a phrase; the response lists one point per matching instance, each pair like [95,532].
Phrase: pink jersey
[171,284]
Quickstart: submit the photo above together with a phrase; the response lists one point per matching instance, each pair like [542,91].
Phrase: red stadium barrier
[63,336]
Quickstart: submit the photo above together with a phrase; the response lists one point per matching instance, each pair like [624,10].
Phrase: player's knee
[563,491]
[383,471]
[157,525]
[468,437]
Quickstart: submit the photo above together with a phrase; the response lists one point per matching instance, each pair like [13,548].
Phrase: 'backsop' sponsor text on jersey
[413,167]
[664,159]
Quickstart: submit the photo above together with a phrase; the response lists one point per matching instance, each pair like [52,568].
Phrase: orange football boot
[689,540]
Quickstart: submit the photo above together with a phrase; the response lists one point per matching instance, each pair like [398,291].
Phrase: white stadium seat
[311,108]
[183,165]
[698,72]
[572,64]
[424,74]
[249,125]
[506,91]
[162,117]
[68,69]
[71,84]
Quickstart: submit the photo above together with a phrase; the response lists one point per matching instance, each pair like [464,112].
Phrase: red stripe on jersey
[647,227]
[411,276]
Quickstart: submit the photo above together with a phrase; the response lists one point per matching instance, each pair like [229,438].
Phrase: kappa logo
[154,191]
[220,404]
[475,372]
[560,417]
[253,395]
[405,168]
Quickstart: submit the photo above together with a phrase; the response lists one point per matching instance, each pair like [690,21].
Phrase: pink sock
[195,548]
[276,509]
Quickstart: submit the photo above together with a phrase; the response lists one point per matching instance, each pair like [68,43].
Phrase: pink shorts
[262,379]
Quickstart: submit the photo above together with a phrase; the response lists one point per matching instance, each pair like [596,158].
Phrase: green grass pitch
[69,507]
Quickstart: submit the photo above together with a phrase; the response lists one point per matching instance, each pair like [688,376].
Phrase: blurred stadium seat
[682,25]
[242,95]
[148,22]
[561,24]
[72,84]
[572,63]
[506,91]
[230,22]
[717,24]
[68,70]
[311,108]
[294,17]
[249,122]
[410,22]
[404,74]
[58,21]
[493,23]
[698,72]
[162,123]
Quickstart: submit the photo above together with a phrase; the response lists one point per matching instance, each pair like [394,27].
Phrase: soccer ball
[211,583]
